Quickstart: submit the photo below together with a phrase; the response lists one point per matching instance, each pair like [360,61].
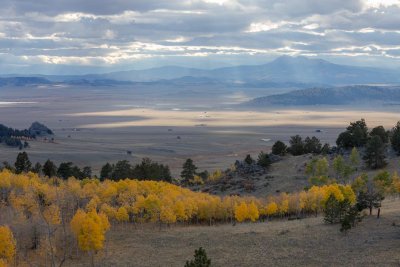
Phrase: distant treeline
[374,143]
[12,137]
[18,138]
[146,170]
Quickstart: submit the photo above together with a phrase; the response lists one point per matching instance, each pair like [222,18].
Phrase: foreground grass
[307,242]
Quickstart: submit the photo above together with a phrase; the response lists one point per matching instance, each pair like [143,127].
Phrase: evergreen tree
[335,210]
[296,145]
[345,140]
[106,171]
[49,168]
[350,218]
[369,199]
[279,148]
[375,153]
[122,170]
[149,170]
[325,149]
[65,170]
[359,131]
[87,172]
[263,160]
[356,135]
[200,259]
[189,171]
[312,145]
[395,138]
[22,164]
[249,160]
[381,132]
[37,168]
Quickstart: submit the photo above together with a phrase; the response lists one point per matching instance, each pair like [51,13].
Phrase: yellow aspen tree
[334,190]
[271,209]
[7,244]
[122,215]
[3,263]
[90,229]
[167,215]
[241,212]
[51,214]
[284,204]
[348,194]
[109,211]
[304,201]
[253,212]
[179,210]
[395,186]
[76,222]
[93,203]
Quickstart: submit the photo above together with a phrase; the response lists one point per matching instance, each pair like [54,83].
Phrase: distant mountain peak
[298,60]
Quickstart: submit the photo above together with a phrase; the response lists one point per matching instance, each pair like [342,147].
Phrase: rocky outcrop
[38,129]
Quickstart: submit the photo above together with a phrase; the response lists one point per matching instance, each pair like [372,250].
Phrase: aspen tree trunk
[64,230]
[92,258]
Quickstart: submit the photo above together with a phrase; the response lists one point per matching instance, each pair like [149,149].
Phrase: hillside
[359,94]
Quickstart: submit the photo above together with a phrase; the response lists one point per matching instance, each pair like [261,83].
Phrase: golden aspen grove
[48,219]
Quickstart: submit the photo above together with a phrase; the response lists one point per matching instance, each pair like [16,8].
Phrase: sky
[92,36]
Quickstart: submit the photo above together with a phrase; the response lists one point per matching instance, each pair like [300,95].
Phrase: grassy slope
[307,242]
[288,175]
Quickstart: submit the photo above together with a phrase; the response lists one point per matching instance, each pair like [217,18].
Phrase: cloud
[214,32]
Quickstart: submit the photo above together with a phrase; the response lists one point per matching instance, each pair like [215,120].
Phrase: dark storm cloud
[123,32]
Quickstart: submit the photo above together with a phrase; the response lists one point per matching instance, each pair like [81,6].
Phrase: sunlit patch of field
[218,118]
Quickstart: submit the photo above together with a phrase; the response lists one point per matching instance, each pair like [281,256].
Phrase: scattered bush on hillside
[279,148]
[200,259]
[263,160]
[249,160]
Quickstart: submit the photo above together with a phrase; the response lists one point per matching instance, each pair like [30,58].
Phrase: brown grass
[307,242]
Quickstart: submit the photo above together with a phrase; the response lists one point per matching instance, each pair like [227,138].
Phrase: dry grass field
[94,125]
[307,242]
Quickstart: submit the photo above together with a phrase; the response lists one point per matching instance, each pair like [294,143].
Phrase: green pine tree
[200,259]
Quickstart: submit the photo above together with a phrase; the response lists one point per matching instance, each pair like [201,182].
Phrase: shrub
[279,148]
[200,259]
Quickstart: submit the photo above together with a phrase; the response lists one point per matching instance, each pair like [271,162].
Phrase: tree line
[146,170]
[373,143]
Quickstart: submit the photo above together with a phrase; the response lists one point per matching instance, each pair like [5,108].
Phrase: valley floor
[307,242]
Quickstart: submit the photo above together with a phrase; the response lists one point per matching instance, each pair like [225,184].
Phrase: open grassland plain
[306,242]
[94,125]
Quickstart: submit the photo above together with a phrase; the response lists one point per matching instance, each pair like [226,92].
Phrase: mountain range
[284,69]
